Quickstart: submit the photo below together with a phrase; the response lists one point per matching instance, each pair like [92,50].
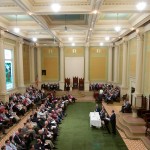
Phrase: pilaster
[86,73]
[3,91]
[124,68]
[32,65]
[20,63]
[110,67]
[39,70]
[61,82]
[139,67]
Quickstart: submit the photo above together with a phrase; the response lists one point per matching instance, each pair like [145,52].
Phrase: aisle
[76,134]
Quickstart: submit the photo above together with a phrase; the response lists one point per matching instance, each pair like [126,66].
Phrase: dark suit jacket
[17,140]
[113,119]
[39,146]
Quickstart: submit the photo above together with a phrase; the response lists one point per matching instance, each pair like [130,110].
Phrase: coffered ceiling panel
[87,21]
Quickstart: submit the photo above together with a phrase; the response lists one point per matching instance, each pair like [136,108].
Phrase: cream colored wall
[120,62]
[146,89]
[50,63]
[26,63]
[98,63]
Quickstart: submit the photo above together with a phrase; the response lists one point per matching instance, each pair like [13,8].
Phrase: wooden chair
[81,84]
[143,107]
[147,120]
[67,84]
[75,82]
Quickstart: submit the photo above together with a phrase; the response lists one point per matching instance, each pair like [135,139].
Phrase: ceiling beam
[38,19]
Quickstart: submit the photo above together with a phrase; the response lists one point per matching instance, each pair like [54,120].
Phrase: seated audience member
[126,107]
[9,145]
[18,140]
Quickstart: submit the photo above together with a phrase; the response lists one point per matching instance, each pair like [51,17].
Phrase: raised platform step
[81,96]
[134,130]
[75,93]
[126,131]
[128,119]
[146,141]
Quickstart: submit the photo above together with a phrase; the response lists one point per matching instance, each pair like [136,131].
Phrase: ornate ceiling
[36,19]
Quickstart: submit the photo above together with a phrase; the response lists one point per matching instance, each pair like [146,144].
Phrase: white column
[32,65]
[124,68]
[110,64]
[116,65]
[39,78]
[62,78]
[86,73]
[139,67]
[3,92]
[20,64]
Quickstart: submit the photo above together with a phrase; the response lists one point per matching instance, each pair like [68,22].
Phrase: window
[9,69]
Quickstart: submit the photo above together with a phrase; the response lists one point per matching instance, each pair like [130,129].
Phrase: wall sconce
[74,51]
[98,51]
[50,51]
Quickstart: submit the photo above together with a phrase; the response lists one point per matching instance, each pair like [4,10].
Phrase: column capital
[87,44]
[125,39]
[140,33]
[111,45]
[2,33]
[61,45]
[20,40]
[31,44]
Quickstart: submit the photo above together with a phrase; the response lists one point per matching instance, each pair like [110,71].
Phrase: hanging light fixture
[117,27]
[65,24]
[55,7]
[141,5]
[16,28]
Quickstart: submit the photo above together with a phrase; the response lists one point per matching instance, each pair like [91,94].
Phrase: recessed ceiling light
[34,39]
[107,38]
[95,12]
[141,5]
[16,30]
[55,7]
[132,28]
[73,44]
[70,38]
[101,44]
[117,28]
[30,13]
[90,29]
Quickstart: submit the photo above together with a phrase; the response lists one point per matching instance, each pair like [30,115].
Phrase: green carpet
[76,134]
